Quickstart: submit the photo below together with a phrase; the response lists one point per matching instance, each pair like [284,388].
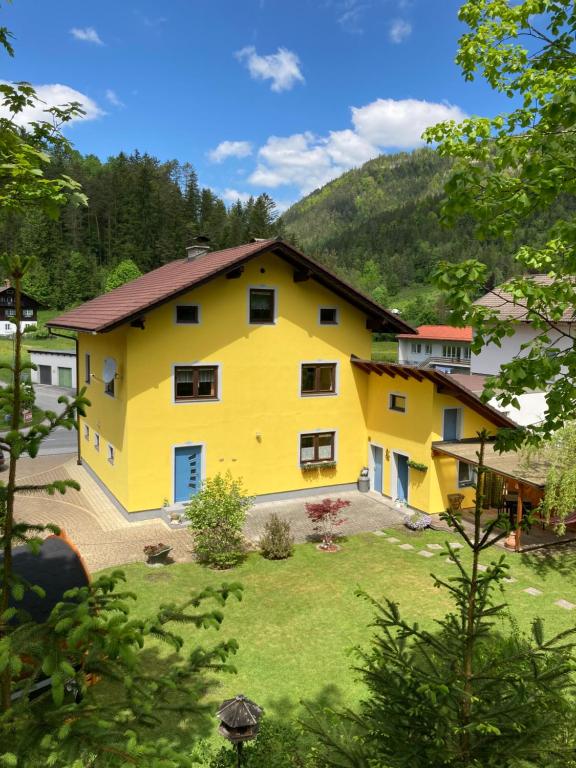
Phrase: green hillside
[379,226]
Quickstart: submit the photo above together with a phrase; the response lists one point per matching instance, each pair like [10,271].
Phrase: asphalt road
[61,440]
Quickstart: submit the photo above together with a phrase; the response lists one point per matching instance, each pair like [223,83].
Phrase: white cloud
[399,30]
[228,149]
[233,195]
[350,13]
[86,34]
[112,97]
[400,123]
[308,161]
[283,67]
[55,95]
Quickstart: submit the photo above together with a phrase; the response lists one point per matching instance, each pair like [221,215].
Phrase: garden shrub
[217,515]
[277,542]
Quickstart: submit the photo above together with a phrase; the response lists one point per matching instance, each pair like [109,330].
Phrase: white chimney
[199,247]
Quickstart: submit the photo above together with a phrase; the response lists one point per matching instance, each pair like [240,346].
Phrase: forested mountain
[379,226]
[139,209]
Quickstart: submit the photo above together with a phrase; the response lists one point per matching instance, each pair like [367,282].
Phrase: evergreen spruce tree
[474,693]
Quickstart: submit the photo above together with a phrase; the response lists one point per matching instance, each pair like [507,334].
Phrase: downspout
[75,339]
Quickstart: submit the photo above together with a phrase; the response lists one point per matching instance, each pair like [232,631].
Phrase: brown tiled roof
[508,308]
[445,383]
[130,301]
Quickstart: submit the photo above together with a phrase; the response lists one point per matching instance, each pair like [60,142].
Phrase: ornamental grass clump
[217,515]
[277,542]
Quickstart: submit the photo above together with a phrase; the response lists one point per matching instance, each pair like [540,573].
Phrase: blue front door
[402,475]
[377,459]
[187,472]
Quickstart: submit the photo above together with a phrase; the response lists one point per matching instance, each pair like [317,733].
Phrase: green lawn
[31,342]
[385,351]
[300,618]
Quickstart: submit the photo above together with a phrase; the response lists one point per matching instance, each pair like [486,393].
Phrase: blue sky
[272,96]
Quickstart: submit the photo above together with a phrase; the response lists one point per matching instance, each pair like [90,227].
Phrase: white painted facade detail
[54,367]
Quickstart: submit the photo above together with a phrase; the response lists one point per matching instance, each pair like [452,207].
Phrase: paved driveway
[106,538]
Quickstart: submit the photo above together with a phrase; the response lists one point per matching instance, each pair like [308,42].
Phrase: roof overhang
[377,318]
[510,465]
[444,385]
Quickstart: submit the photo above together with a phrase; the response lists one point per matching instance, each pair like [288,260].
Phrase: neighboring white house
[54,366]
[489,359]
[442,347]
[531,409]
[8,311]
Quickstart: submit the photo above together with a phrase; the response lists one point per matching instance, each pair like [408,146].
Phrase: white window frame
[397,394]
[428,348]
[306,395]
[197,401]
[111,454]
[416,348]
[336,310]
[86,432]
[261,288]
[317,432]
[472,475]
[187,304]
[459,421]
[96,441]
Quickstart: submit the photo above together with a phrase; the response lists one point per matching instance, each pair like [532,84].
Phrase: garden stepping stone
[455,545]
[565,604]
[451,560]
[379,533]
[425,553]
[509,580]
[434,546]
[532,591]
[392,540]
[406,546]
[482,568]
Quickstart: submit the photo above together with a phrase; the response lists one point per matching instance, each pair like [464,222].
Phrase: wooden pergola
[529,477]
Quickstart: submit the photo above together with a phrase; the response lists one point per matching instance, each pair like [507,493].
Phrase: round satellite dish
[109,369]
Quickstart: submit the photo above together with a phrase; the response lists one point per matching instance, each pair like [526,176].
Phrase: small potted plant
[157,553]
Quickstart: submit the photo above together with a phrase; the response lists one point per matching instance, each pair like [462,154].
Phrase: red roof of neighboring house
[130,301]
[440,333]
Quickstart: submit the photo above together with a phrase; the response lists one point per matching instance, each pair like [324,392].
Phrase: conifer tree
[475,693]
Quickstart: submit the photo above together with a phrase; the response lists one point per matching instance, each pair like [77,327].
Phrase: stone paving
[106,538]
[101,533]
[366,513]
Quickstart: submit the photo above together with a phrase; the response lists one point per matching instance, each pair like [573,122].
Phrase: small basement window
[195,382]
[328,316]
[110,453]
[262,306]
[187,314]
[317,447]
[466,475]
[397,403]
[318,379]
[96,441]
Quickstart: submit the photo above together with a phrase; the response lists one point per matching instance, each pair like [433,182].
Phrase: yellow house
[256,360]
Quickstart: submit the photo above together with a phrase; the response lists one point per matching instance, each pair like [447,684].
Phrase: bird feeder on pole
[239,722]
